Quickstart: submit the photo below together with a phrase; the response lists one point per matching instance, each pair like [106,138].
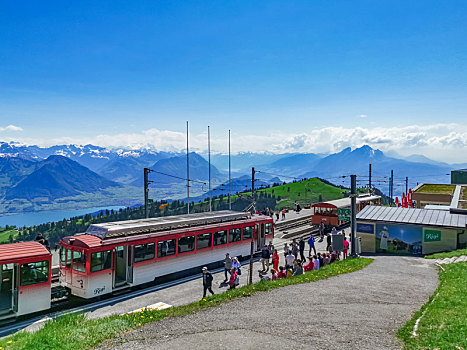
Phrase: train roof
[164,223]
[345,202]
[15,252]
[85,240]
[428,217]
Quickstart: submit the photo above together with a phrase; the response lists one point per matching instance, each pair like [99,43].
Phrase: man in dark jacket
[207,281]
[301,246]
[265,255]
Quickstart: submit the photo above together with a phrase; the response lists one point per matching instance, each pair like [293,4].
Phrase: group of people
[232,271]
[295,262]
[276,213]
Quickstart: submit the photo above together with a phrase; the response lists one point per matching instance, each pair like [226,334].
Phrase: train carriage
[117,255]
[25,279]
[327,212]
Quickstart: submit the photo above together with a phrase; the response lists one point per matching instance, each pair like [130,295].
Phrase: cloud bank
[444,142]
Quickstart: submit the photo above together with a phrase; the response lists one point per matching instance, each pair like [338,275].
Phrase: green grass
[5,235]
[307,191]
[76,332]
[458,252]
[443,323]
[437,188]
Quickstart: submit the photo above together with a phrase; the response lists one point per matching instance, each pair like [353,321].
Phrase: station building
[410,231]
[451,197]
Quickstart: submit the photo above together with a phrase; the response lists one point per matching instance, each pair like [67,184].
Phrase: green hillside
[304,192]
[6,232]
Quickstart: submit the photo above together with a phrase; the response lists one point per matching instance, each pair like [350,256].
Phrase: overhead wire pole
[369,180]
[187,172]
[209,171]
[146,191]
[406,185]
[250,281]
[391,187]
[353,213]
[230,178]
[253,188]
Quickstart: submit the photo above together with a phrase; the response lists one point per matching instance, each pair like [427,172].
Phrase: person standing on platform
[295,248]
[265,255]
[207,281]
[277,215]
[233,282]
[275,260]
[311,243]
[283,214]
[271,248]
[236,264]
[286,249]
[289,259]
[227,266]
[321,231]
[346,247]
[301,247]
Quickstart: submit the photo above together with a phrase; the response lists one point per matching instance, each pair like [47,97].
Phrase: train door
[261,238]
[123,266]
[8,288]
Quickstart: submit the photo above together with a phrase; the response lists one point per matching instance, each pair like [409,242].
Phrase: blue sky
[267,68]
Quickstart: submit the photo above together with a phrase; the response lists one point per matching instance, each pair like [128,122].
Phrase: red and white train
[328,212]
[25,278]
[117,255]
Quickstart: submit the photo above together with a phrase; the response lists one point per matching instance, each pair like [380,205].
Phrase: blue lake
[41,217]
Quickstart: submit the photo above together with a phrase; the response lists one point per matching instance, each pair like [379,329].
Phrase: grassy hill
[306,192]
[5,234]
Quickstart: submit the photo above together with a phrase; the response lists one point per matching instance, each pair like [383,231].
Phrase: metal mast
[187,172]
[230,178]
[209,158]
[353,209]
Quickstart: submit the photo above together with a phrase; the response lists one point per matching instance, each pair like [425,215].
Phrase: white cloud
[444,142]
[11,128]
[363,116]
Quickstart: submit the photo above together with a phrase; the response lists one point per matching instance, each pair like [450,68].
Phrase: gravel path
[360,310]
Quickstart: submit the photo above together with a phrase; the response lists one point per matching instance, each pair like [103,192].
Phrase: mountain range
[28,172]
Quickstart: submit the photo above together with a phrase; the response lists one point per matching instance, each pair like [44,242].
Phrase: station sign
[343,214]
[432,236]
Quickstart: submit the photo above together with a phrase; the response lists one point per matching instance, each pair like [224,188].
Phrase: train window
[248,232]
[186,244]
[235,235]
[101,260]
[165,248]
[203,240]
[34,272]
[79,261]
[68,259]
[145,252]
[220,237]
[62,256]
[268,229]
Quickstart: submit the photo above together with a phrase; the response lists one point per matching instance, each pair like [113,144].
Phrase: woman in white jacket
[237,265]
